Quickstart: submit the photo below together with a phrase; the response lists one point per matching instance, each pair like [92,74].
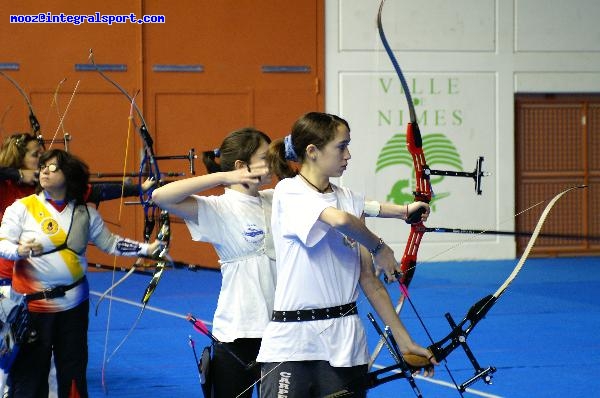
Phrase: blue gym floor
[543,335]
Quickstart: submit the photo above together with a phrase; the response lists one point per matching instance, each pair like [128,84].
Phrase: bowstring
[54,102]
[130,127]
[110,289]
[62,118]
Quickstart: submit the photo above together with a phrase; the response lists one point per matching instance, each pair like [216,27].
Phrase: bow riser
[160,268]
[33,122]
[409,258]
[414,144]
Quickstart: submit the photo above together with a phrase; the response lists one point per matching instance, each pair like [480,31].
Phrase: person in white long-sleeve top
[47,235]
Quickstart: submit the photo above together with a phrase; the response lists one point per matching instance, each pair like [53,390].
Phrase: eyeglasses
[53,167]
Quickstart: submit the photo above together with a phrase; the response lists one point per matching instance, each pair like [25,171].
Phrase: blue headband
[290,154]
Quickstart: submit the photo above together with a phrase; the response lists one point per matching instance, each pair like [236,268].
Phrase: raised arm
[176,197]
[24,176]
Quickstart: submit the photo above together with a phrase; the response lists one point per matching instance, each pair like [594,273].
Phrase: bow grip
[416,216]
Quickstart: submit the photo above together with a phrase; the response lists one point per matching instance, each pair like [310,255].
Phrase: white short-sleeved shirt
[238,226]
[317,267]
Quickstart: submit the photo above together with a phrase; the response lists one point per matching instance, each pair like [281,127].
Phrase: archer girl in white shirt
[315,344]
[237,224]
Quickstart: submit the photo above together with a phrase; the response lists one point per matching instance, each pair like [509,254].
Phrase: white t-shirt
[234,223]
[317,267]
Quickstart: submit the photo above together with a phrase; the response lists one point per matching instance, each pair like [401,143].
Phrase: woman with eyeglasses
[19,160]
[47,234]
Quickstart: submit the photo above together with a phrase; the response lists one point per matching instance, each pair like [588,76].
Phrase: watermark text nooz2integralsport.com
[78,19]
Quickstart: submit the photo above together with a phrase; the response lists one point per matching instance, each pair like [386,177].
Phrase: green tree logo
[439,150]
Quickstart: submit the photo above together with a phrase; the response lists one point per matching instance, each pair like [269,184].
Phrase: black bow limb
[458,338]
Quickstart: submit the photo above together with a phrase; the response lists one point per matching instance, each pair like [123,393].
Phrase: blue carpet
[542,335]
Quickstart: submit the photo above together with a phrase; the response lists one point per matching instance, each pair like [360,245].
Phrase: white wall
[464,61]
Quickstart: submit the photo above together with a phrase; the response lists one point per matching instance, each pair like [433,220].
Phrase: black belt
[55,292]
[316,314]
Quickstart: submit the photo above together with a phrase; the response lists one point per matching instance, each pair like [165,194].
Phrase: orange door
[210,68]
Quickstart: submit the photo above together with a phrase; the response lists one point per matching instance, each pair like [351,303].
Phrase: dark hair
[77,173]
[14,148]
[314,128]
[238,145]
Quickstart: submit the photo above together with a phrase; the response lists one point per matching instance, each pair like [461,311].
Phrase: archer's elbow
[338,219]
[159,197]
